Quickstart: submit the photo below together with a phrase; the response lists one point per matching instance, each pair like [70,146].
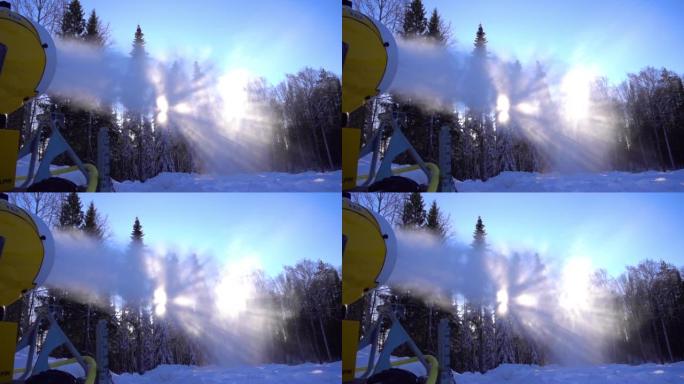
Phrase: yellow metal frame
[9,150]
[93,175]
[433,184]
[90,374]
[25,62]
[432,373]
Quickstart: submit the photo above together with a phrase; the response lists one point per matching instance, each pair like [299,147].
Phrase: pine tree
[137,233]
[91,224]
[93,30]
[413,215]
[479,235]
[415,23]
[71,213]
[434,221]
[434,27]
[138,44]
[480,41]
[73,22]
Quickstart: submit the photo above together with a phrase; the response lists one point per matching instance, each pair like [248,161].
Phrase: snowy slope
[267,374]
[651,181]
[254,182]
[555,374]
[608,374]
[183,374]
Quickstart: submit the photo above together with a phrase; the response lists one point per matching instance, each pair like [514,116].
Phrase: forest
[303,110]
[645,305]
[303,299]
[635,125]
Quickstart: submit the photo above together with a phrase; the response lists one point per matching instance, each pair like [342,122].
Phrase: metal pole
[102,353]
[446,181]
[444,351]
[103,161]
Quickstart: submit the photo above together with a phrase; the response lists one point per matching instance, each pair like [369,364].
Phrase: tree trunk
[667,339]
[325,339]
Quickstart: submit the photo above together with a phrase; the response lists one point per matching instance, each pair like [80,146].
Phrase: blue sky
[615,36]
[280,229]
[613,230]
[268,37]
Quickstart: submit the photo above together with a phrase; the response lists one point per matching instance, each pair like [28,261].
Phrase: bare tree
[44,205]
[388,205]
[388,12]
[47,13]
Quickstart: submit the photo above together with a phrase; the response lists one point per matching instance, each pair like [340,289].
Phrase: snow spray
[226,128]
[561,310]
[555,112]
[215,305]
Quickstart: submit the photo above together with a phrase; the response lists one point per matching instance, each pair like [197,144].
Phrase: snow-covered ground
[650,181]
[555,374]
[266,374]
[183,374]
[603,374]
[248,182]
[192,182]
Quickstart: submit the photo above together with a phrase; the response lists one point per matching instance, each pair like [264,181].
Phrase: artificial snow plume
[560,306]
[556,112]
[216,304]
[227,127]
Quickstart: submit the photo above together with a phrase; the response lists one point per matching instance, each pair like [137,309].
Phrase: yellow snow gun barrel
[368,256]
[28,59]
[26,258]
[369,64]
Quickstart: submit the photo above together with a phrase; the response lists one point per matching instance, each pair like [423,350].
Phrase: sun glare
[159,301]
[503,107]
[576,284]
[162,109]
[235,288]
[576,89]
[502,301]
[233,90]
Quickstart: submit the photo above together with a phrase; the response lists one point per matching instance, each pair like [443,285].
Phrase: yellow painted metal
[351,146]
[9,150]
[350,344]
[22,253]
[365,60]
[433,183]
[90,362]
[432,373]
[364,254]
[24,63]
[93,175]
[8,340]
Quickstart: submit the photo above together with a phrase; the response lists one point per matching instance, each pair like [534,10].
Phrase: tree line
[645,303]
[642,116]
[304,107]
[304,298]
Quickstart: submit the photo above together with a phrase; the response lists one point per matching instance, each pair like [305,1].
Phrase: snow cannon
[369,58]
[26,252]
[26,258]
[27,59]
[368,257]
[369,251]
[369,64]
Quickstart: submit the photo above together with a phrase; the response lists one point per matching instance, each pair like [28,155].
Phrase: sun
[576,90]
[233,92]
[575,294]
[235,288]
